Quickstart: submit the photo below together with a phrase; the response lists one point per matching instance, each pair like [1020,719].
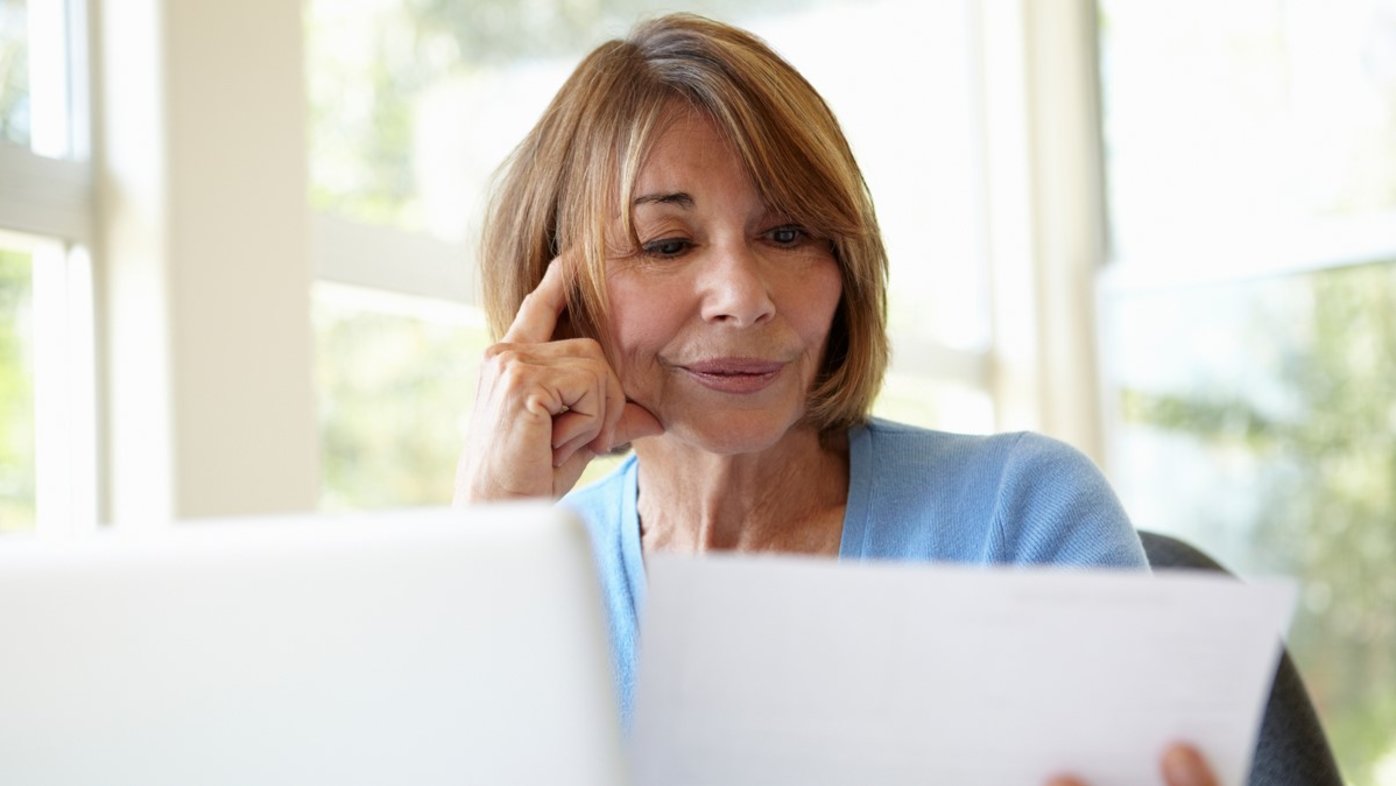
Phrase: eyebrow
[679,198]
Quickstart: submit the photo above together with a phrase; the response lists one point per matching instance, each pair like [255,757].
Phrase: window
[388,367]
[16,393]
[1248,316]
[413,108]
[47,404]
[14,65]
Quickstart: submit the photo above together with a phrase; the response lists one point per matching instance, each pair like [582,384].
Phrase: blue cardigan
[913,494]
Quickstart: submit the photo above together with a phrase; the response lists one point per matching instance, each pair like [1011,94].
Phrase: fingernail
[1183,766]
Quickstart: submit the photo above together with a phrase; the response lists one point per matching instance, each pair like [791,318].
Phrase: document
[780,670]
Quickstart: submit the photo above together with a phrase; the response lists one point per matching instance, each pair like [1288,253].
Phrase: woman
[682,255]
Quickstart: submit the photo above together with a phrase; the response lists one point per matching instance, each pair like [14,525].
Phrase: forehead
[691,152]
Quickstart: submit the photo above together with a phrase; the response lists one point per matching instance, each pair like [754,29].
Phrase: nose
[735,288]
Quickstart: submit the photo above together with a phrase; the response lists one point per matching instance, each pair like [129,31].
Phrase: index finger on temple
[537,317]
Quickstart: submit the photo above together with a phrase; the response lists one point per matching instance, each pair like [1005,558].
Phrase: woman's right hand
[1181,765]
[543,408]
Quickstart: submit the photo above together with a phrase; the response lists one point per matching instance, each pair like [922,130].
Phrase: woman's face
[719,322]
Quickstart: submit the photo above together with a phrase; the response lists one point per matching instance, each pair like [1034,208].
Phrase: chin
[729,433]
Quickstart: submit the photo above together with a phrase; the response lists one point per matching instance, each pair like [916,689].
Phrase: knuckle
[590,347]
[514,377]
[503,357]
[494,351]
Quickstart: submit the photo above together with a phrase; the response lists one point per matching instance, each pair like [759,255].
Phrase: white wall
[203,270]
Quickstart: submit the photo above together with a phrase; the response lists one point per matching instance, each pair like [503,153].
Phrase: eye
[787,236]
[667,248]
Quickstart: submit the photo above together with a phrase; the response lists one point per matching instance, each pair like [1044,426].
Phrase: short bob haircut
[562,186]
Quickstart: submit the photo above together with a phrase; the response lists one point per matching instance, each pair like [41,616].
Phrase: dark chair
[1292,749]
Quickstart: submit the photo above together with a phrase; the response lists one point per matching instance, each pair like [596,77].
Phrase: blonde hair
[561,186]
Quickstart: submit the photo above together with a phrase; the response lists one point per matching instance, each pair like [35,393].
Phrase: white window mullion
[64,391]
[44,196]
[79,76]
[394,260]
[929,359]
[1013,372]
[1338,242]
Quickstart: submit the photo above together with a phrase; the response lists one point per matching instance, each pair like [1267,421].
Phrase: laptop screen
[447,646]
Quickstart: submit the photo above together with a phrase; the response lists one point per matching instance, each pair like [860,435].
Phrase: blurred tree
[384,382]
[368,66]
[504,31]
[1329,513]
[14,73]
[16,396]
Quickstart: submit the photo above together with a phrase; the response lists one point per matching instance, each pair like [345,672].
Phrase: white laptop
[430,647]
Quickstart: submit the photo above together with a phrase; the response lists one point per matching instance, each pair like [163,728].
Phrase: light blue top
[913,494]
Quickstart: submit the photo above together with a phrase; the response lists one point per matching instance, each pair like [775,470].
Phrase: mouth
[734,375]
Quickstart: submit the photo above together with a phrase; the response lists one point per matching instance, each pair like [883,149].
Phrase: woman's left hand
[1181,765]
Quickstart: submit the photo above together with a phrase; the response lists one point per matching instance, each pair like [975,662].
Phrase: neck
[789,497]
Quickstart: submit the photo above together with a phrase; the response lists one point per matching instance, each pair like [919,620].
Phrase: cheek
[820,292]
[638,321]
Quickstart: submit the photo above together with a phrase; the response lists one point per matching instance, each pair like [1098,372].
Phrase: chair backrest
[1292,749]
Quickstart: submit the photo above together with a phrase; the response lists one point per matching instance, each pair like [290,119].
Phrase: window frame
[47,208]
[1328,244]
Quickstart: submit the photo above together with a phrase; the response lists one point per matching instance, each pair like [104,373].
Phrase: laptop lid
[426,647]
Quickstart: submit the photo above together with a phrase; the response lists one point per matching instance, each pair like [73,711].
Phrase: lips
[734,375]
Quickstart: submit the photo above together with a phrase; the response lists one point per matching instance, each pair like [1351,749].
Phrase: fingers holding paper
[1181,765]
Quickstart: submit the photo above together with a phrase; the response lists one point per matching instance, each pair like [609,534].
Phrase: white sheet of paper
[765,670]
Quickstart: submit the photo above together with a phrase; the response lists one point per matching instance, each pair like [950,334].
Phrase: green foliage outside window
[16,396]
[363,93]
[1328,511]
[394,391]
[14,73]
